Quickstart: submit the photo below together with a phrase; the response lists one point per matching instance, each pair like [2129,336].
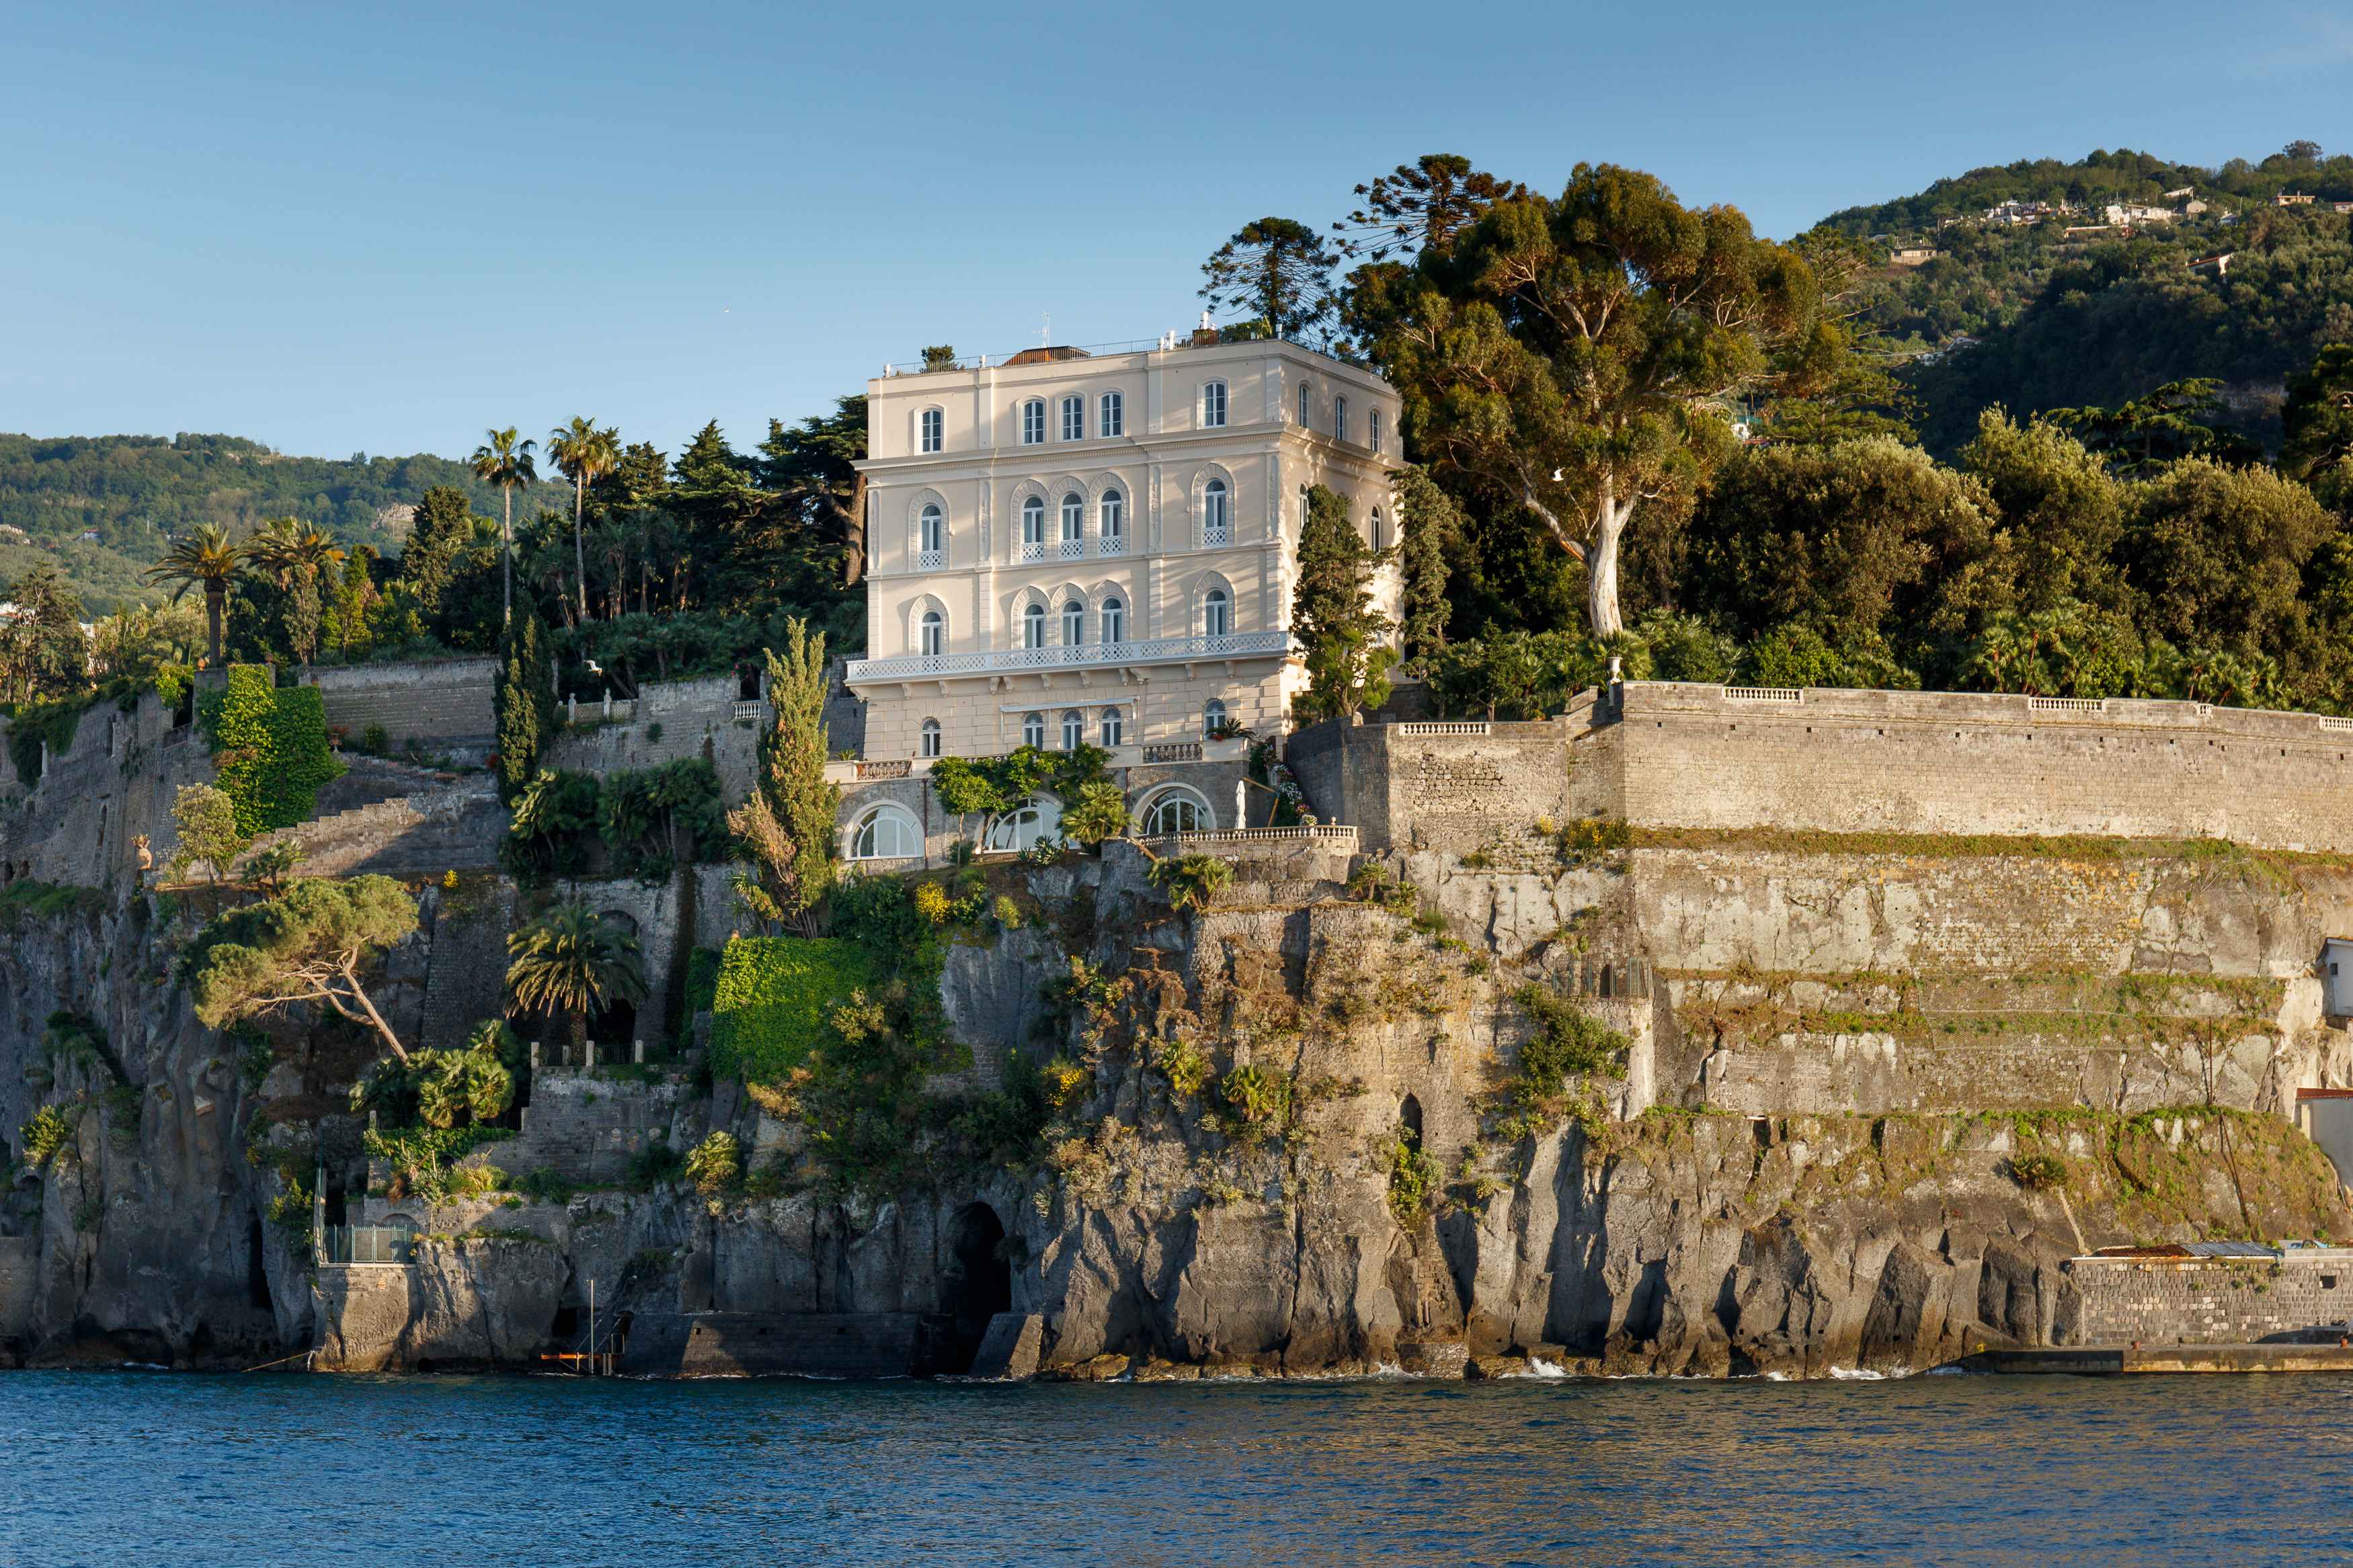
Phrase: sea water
[282,1471]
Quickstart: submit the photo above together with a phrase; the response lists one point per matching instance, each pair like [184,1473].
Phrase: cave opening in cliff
[257,1270]
[977,1283]
[1409,1119]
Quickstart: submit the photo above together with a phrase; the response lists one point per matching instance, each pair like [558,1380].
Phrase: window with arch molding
[1033,730]
[1213,404]
[1033,422]
[1111,524]
[885,833]
[1217,513]
[1339,419]
[1114,621]
[1176,810]
[930,738]
[1373,431]
[1074,526]
[1033,529]
[1112,414]
[1113,731]
[1074,418]
[1074,623]
[1303,395]
[1033,626]
[931,539]
[1213,719]
[1074,730]
[1217,614]
[933,429]
[932,634]
[1380,530]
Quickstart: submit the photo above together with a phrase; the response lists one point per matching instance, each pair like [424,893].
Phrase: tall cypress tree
[1332,613]
[1430,523]
[526,701]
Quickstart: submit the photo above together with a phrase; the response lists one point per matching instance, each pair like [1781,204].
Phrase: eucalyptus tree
[506,460]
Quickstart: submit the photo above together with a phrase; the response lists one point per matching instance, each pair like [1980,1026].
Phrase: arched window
[1114,621]
[1303,395]
[1033,529]
[1074,623]
[1373,431]
[931,738]
[1213,404]
[1176,810]
[1034,728]
[1339,419]
[1303,510]
[1074,730]
[1074,526]
[1113,731]
[1033,626]
[1036,820]
[932,634]
[1380,530]
[1216,513]
[1113,412]
[1074,418]
[1213,719]
[1111,524]
[931,539]
[1033,422]
[931,430]
[885,833]
[1217,614]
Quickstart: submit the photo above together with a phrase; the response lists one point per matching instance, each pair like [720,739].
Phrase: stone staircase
[464,980]
[438,823]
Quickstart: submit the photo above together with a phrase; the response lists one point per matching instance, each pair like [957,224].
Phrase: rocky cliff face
[1868,1103]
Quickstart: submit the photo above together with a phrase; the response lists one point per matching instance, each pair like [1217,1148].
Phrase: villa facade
[1070,547]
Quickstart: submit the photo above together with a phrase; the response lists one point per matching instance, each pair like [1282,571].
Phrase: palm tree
[506,461]
[585,455]
[202,558]
[292,554]
[573,961]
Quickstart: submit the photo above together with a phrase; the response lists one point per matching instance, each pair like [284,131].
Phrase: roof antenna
[1046,330]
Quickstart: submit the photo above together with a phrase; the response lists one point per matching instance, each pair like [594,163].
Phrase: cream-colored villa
[1068,547]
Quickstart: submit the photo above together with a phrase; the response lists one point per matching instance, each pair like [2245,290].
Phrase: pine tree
[788,822]
[1332,613]
[1430,524]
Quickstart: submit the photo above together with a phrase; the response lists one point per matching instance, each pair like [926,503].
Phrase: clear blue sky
[334,234]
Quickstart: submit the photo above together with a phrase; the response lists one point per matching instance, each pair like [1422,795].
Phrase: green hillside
[97,508]
[2104,314]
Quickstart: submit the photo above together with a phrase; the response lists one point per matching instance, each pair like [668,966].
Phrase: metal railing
[369,1244]
[1080,656]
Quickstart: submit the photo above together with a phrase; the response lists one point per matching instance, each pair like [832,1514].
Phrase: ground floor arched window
[1035,821]
[885,833]
[1174,809]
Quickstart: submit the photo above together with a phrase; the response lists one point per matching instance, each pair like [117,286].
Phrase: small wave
[1863,1374]
[1551,1371]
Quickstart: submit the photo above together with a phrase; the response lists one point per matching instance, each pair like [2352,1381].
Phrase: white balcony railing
[1080,655]
[1033,551]
[931,560]
[1074,549]
[1112,544]
[1214,535]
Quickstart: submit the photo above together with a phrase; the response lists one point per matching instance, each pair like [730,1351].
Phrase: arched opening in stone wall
[616,1022]
[1609,981]
[975,1284]
[1409,1118]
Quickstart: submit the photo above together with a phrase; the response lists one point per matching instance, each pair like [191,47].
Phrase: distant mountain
[99,508]
[2093,281]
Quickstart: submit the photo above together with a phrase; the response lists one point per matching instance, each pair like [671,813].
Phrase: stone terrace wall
[585,1126]
[668,721]
[442,704]
[1452,786]
[116,781]
[1945,762]
[2209,1300]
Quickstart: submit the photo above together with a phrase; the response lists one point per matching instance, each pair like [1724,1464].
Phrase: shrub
[269,748]
[1595,836]
[715,1165]
[773,998]
[1185,1069]
[652,1165]
[48,1132]
[1262,1099]
[1416,1183]
[932,901]
[1191,881]
[2039,1172]
[1566,1044]
[1099,812]
[543,1185]
[1008,914]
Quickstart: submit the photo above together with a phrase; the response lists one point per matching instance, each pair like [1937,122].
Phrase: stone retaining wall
[442,704]
[2209,1300]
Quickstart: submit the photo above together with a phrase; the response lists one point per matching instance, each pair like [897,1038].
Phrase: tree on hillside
[1567,352]
[306,944]
[812,467]
[505,460]
[2217,556]
[43,652]
[573,961]
[2316,423]
[1332,613]
[202,558]
[1276,269]
[443,527]
[206,821]
[2062,509]
[294,556]
[583,454]
[788,824]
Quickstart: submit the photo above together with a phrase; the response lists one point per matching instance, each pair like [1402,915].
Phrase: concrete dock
[2110,1361]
